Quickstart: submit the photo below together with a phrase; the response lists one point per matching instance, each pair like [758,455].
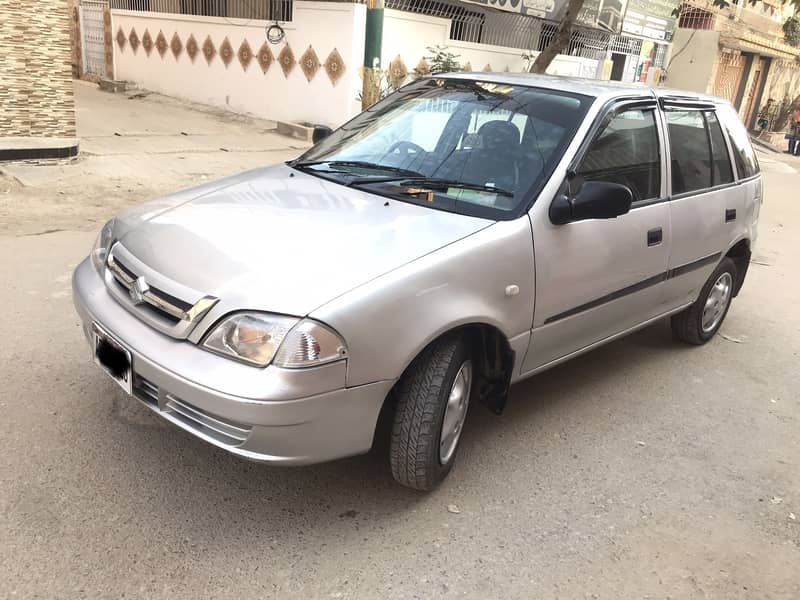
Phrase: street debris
[730,338]
[641,443]
[792,516]
[776,500]
[452,508]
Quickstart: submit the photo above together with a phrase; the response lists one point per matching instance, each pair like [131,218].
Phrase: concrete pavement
[644,469]
[133,147]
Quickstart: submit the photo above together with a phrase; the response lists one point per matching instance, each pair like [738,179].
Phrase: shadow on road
[221,494]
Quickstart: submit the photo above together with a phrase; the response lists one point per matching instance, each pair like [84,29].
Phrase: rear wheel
[698,323]
[432,401]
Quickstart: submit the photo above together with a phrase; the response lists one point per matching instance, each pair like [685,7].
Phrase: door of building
[729,75]
[92,37]
[617,66]
[754,91]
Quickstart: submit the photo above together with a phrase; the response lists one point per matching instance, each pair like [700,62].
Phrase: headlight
[259,339]
[102,245]
[310,344]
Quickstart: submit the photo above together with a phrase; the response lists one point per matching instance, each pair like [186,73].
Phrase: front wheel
[432,401]
[698,323]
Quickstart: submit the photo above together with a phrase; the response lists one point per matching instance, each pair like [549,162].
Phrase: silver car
[463,234]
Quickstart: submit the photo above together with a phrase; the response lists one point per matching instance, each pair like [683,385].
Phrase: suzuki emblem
[138,290]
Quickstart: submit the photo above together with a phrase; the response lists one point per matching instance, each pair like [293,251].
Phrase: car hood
[280,240]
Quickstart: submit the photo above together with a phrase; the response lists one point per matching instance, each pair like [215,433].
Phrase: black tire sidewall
[460,356]
[726,266]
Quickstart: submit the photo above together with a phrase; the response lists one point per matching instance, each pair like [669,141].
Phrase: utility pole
[373,45]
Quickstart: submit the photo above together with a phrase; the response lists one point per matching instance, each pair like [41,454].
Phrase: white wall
[694,53]
[271,95]
[408,35]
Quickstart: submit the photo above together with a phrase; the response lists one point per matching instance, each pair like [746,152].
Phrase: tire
[688,325]
[422,400]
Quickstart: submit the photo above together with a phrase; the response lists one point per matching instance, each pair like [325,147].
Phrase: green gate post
[373,45]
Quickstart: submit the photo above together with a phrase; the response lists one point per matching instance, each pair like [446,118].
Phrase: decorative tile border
[226,52]
[245,55]
[161,44]
[265,57]
[286,60]
[192,48]
[133,39]
[176,46]
[147,42]
[309,62]
[334,66]
[209,50]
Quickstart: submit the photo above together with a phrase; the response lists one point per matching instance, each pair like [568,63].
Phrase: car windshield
[465,146]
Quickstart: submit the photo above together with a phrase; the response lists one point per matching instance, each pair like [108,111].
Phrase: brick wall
[36,96]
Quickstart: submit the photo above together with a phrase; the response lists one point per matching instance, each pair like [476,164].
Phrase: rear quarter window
[743,154]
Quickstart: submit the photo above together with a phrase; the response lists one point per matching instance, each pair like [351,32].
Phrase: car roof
[606,90]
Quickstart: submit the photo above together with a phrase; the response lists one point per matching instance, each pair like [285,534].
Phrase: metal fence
[268,10]
[505,29]
[696,17]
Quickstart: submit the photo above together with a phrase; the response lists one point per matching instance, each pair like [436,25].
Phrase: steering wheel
[406,148]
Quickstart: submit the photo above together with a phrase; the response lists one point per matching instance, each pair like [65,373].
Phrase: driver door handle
[654,236]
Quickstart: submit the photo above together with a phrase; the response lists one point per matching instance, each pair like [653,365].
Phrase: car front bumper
[272,415]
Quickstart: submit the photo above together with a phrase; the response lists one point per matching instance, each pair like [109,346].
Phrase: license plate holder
[113,357]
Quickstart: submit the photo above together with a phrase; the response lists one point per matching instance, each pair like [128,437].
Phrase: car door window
[743,154]
[626,151]
[690,151]
[722,172]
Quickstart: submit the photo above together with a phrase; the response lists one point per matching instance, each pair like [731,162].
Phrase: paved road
[645,469]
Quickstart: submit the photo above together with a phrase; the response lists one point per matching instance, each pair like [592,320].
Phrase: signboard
[650,18]
[536,8]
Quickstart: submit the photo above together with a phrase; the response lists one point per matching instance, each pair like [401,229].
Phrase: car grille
[224,431]
[162,304]
[145,391]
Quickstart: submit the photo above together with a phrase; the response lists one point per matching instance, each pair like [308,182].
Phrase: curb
[31,148]
[765,145]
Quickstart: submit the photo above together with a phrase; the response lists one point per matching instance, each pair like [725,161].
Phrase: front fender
[389,320]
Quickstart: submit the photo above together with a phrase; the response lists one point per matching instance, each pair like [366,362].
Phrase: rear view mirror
[320,133]
[595,200]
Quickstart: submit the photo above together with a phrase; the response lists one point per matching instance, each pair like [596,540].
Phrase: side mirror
[320,133]
[595,200]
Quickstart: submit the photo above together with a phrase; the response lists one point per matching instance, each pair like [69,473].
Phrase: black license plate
[111,356]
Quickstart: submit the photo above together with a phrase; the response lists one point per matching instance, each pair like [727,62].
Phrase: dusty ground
[133,147]
[645,469]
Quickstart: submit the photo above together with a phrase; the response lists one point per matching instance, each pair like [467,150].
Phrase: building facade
[36,96]
[300,60]
[737,53]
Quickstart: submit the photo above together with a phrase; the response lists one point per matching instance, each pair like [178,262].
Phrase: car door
[705,202]
[600,277]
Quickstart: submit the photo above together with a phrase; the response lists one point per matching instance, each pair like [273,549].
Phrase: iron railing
[267,10]
[525,32]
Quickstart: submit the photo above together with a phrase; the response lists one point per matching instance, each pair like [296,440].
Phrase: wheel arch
[494,358]
[740,254]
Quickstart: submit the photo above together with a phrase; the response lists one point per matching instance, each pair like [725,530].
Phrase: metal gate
[92,38]
[729,75]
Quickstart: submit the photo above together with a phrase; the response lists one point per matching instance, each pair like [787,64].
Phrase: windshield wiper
[433,183]
[363,164]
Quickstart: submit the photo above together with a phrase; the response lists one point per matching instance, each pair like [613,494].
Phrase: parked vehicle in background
[463,234]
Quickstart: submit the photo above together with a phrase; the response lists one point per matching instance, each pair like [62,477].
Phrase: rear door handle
[655,236]
[730,215]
